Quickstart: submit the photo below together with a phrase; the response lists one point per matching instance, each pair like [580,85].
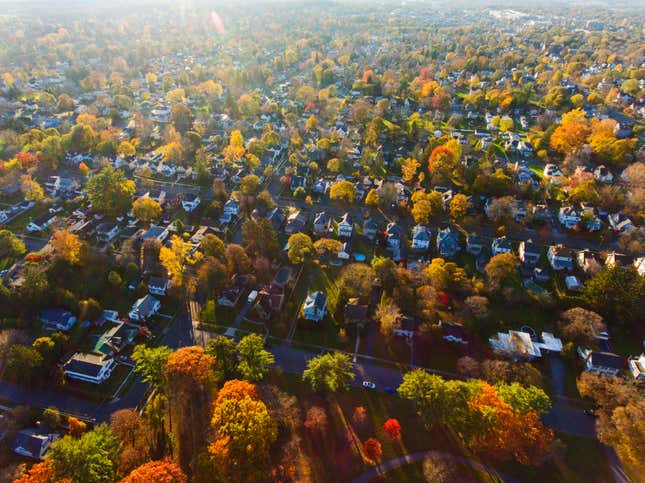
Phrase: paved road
[407,459]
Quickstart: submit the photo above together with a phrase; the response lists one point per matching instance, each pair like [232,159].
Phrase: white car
[252,296]
[369,385]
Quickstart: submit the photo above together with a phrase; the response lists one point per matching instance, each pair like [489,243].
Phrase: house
[603,175]
[520,345]
[588,261]
[637,367]
[57,319]
[155,232]
[231,295]
[639,265]
[474,244]
[573,283]
[345,226]
[298,182]
[620,223]
[106,232]
[89,367]
[453,332]
[393,234]
[560,257]
[613,259]
[276,216]
[568,217]
[230,211]
[501,245]
[322,223]
[603,363]
[529,253]
[408,326]
[314,307]
[41,223]
[33,443]
[321,186]
[158,286]
[541,274]
[269,301]
[370,228]
[447,242]
[421,238]
[296,222]
[356,313]
[144,308]
[190,202]
[345,252]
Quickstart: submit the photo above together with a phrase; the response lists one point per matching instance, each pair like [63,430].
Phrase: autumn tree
[392,428]
[31,189]
[459,206]
[11,245]
[330,372]
[373,450]
[372,198]
[159,471]
[67,246]
[75,427]
[134,436]
[316,420]
[176,259]
[343,191]
[426,206]
[409,168]
[42,472]
[212,246]
[301,248]
[146,209]
[388,316]
[572,132]
[581,326]
[110,191]
[260,236]
[501,268]
[253,360]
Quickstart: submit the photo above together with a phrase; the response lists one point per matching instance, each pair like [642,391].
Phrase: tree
[260,236]
[500,268]
[146,209]
[373,450]
[67,246]
[477,306]
[572,132]
[524,398]
[316,420]
[409,168]
[88,458]
[253,360]
[237,261]
[110,191]
[616,293]
[503,209]
[426,206]
[212,246]
[244,433]
[10,245]
[181,117]
[327,247]
[225,353]
[75,427]
[41,473]
[175,259]
[343,191]
[134,436]
[250,184]
[126,149]
[372,198]
[23,363]
[388,315]
[236,389]
[150,362]
[30,188]
[581,326]
[392,428]
[459,206]
[301,248]
[330,372]
[441,469]
[159,471]
[445,275]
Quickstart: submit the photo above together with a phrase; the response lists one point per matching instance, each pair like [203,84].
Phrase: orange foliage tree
[75,427]
[41,473]
[373,450]
[572,132]
[392,428]
[156,471]
[236,389]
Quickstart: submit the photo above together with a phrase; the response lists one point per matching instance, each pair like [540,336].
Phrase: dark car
[389,390]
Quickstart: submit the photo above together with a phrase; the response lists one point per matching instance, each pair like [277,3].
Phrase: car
[369,385]
[389,390]
[590,412]
[252,296]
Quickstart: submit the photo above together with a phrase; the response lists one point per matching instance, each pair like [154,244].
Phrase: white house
[393,234]
[345,252]
[41,223]
[620,223]
[520,345]
[144,308]
[89,367]
[560,257]
[637,367]
[315,307]
[501,245]
[569,217]
[107,231]
[231,210]
[158,286]
[603,175]
[421,238]
[190,202]
[345,226]
[604,363]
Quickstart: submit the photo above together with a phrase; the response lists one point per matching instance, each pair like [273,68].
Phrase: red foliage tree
[392,428]
[156,471]
[373,450]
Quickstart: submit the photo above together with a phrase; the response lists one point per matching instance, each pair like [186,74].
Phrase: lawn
[513,316]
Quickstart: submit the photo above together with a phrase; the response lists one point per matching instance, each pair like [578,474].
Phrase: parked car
[390,390]
[369,385]
[252,296]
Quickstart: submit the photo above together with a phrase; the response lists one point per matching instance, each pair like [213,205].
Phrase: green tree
[150,362]
[524,399]
[301,248]
[110,191]
[253,360]
[331,372]
[212,246]
[501,268]
[225,353]
[89,458]
[23,363]
[10,245]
